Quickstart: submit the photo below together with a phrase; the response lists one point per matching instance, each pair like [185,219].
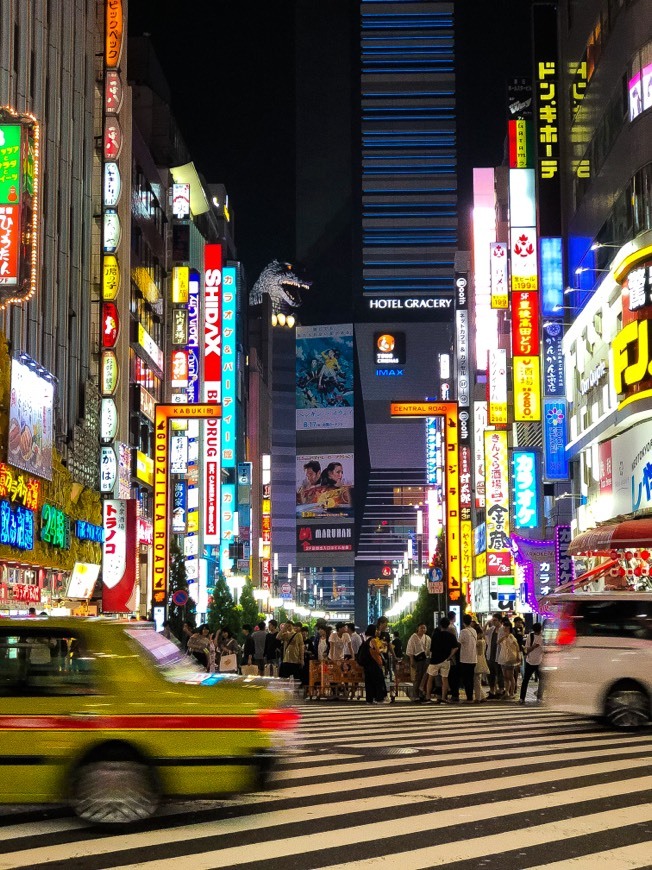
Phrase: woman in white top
[509,657]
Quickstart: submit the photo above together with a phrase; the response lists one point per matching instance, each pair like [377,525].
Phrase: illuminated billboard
[324,485]
[499,558]
[497,386]
[525,488]
[523,252]
[527,389]
[229,429]
[525,323]
[324,374]
[499,275]
[212,370]
[119,554]
[552,276]
[19,205]
[31,403]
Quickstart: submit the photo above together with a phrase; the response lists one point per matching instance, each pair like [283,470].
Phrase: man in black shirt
[443,647]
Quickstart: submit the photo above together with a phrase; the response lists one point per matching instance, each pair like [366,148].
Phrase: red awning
[628,535]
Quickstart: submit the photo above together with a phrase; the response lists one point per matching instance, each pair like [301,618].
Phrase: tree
[249,605]
[221,609]
[178,614]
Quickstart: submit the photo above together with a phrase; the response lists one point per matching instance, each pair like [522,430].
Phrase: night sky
[230,67]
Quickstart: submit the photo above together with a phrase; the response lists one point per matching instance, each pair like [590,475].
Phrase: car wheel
[114,792]
[628,708]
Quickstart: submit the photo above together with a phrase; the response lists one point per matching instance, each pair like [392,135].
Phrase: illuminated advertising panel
[181,201]
[555,415]
[497,386]
[19,205]
[324,374]
[565,564]
[113,92]
[192,347]
[108,469]
[229,430]
[119,554]
[525,323]
[552,276]
[449,411]
[110,324]
[497,476]
[434,454]
[523,250]
[549,105]
[484,233]
[179,368]
[9,245]
[522,201]
[110,277]
[212,323]
[162,485]
[480,420]
[108,419]
[112,140]
[499,275]
[463,364]
[466,554]
[212,371]
[31,402]
[112,232]
[112,184]
[519,137]
[331,538]
[113,33]
[324,485]
[179,506]
[465,483]
[525,486]
[178,454]
[180,282]
[527,389]
[554,377]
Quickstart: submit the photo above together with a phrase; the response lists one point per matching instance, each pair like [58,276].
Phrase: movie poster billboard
[324,377]
[30,419]
[324,485]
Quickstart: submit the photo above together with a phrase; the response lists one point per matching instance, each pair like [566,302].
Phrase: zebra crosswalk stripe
[558,799]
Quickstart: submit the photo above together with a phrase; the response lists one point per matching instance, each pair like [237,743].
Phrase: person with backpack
[533,658]
[370,659]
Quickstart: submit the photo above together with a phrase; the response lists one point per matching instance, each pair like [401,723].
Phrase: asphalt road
[494,785]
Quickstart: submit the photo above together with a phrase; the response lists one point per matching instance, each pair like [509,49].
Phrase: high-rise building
[605,120]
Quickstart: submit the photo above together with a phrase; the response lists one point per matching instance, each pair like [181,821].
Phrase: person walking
[533,659]
[259,639]
[508,658]
[481,667]
[443,646]
[272,646]
[370,658]
[291,637]
[468,656]
[418,651]
[492,636]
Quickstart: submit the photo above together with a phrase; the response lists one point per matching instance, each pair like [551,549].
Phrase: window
[625,618]
[37,662]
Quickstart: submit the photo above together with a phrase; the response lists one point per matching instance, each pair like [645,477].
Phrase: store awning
[628,535]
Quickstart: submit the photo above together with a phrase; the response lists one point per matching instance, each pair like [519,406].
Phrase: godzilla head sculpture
[281,284]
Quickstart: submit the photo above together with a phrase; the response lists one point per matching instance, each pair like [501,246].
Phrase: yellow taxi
[111,717]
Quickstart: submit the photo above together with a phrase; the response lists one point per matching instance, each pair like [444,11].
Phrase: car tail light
[566,634]
[278,720]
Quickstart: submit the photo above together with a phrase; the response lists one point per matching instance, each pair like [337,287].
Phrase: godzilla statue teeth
[282,286]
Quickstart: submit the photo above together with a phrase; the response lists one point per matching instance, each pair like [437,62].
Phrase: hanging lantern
[621,571]
[613,554]
[629,555]
[645,554]
[638,571]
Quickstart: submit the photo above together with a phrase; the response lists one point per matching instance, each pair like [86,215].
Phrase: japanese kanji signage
[449,411]
[555,414]
[16,526]
[554,381]
[497,386]
[19,206]
[499,559]
[548,108]
[498,265]
[525,323]
[527,389]
[19,488]
[525,487]
[165,413]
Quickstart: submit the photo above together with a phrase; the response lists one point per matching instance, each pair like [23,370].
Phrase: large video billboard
[324,377]
[324,485]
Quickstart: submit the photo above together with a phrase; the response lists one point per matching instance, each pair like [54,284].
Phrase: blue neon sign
[525,488]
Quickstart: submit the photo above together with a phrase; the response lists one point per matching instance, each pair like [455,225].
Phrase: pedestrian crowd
[441,664]
[495,656]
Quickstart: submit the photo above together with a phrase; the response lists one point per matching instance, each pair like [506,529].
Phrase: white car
[598,656]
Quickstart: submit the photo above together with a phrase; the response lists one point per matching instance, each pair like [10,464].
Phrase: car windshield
[166,654]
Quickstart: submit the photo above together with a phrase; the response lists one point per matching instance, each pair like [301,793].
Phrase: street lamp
[597,245]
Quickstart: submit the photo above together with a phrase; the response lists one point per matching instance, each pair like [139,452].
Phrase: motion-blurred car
[112,717]
[598,656]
